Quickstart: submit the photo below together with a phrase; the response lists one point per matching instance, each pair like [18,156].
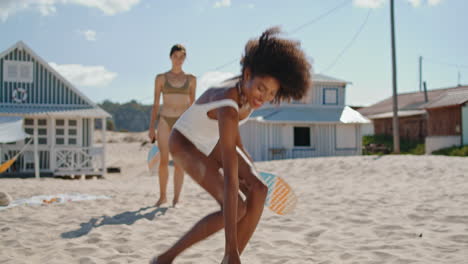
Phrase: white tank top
[201,130]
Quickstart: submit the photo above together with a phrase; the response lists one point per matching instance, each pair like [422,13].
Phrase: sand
[364,209]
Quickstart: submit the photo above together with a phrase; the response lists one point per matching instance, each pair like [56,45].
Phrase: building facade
[319,125]
[58,116]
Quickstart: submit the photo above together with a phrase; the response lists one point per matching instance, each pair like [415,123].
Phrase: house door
[465,124]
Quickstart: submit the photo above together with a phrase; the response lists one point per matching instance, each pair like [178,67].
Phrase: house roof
[22,46]
[316,78]
[322,78]
[56,111]
[448,99]
[402,113]
[308,115]
[408,101]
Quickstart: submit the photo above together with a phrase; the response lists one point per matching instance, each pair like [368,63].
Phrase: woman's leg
[178,182]
[255,192]
[163,145]
[205,171]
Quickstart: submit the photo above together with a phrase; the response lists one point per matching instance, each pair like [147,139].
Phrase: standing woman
[206,141]
[178,91]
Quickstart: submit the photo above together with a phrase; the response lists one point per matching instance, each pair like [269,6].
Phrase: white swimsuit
[201,130]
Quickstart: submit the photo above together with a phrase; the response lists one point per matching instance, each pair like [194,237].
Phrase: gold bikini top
[169,89]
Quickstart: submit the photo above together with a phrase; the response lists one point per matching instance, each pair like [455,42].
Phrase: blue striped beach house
[56,114]
[319,125]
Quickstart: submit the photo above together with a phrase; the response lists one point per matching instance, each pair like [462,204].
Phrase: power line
[454,65]
[339,6]
[331,65]
[295,30]
[299,28]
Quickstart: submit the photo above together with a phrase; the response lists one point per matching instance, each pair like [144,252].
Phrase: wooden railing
[285,153]
[25,162]
[78,160]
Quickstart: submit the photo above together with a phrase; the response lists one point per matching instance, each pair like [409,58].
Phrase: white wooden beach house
[319,125]
[58,116]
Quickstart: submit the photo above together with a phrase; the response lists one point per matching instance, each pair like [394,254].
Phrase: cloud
[222,3]
[415,3]
[89,34]
[81,75]
[109,7]
[418,3]
[434,2]
[210,79]
[369,3]
[48,7]
[380,3]
[250,6]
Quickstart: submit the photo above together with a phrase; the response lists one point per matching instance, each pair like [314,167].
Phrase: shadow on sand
[125,218]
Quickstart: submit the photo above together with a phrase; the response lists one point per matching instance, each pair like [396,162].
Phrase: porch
[57,161]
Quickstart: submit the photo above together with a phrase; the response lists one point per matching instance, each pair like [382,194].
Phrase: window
[66,132]
[302,136]
[72,132]
[18,71]
[41,130]
[330,96]
[59,132]
[346,137]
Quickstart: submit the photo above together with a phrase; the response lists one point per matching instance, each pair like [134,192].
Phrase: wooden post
[420,73]
[426,99]
[51,140]
[36,154]
[103,146]
[396,127]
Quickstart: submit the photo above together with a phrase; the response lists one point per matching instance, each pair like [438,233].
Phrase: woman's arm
[228,121]
[154,111]
[241,147]
[193,88]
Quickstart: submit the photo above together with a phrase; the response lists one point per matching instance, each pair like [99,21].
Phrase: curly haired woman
[206,142]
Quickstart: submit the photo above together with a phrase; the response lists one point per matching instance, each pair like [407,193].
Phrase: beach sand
[364,209]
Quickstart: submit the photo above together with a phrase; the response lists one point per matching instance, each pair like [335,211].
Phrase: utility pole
[459,78]
[396,127]
[420,73]
[426,99]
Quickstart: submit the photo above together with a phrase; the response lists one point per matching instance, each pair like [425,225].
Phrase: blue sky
[112,49]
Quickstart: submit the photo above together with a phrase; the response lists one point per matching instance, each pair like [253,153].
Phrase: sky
[113,49]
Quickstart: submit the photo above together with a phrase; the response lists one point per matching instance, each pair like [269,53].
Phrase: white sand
[392,209]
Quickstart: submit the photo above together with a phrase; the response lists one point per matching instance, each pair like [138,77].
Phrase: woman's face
[260,89]
[178,58]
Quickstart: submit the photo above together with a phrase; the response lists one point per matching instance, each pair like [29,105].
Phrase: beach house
[438,117]
[319,125]
[59,118]
[447,121]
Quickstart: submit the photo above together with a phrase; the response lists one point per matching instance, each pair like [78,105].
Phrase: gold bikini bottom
[170,120]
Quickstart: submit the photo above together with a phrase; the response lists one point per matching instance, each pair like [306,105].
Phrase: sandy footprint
[80,251]
[463,239]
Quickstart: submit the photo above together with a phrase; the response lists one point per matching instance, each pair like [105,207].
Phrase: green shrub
[460,151]
[384,145]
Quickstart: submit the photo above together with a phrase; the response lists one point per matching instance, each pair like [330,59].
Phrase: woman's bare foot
[160,260]
[161,201]
[175,202]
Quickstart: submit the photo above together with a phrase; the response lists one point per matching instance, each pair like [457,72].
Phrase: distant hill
[131,116]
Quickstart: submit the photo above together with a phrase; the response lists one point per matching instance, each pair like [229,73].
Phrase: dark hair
[282,59]
[177,47]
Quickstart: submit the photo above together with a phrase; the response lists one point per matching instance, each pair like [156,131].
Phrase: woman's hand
[152,135]
[231,259]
